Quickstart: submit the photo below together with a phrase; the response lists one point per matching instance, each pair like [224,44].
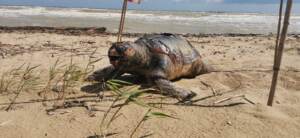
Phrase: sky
[264,6]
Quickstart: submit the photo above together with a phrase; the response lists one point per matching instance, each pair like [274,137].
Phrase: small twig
[236,96]
[71,104]
[212,89]
[4,123]
[245,98]
[229,98]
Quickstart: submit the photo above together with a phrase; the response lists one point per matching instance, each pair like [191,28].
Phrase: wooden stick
[122,21]
[229,98]
[280,51]
[211,88]
[248,100]
[278,30]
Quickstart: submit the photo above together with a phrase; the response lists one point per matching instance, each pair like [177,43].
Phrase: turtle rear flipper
[168,88]
[205,68]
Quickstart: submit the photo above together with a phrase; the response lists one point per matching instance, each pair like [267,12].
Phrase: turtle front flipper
[168,88]
[104,74]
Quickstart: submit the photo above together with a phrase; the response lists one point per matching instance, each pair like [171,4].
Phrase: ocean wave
[86,13]
[42,11]
[137,15]
[165,21]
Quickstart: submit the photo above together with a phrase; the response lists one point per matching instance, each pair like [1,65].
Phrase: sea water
[145,21]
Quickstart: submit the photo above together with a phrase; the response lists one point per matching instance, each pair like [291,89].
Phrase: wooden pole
[277,64]
[278,30]
[122,21]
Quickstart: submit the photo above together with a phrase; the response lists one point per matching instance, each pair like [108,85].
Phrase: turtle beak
[115,63]
[115,60]
[113,57]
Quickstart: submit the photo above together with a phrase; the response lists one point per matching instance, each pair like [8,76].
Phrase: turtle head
[120,53]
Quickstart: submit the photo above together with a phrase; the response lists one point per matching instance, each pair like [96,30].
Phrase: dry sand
[248,60]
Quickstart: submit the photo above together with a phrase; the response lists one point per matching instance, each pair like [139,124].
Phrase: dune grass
[62,77]
[18,80]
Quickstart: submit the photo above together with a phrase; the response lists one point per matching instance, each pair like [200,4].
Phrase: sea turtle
[159,58]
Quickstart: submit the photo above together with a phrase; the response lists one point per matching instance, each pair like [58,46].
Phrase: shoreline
[91,31]
[134,9]
[141,9]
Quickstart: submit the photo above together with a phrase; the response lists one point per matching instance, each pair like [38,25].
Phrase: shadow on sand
[100,86]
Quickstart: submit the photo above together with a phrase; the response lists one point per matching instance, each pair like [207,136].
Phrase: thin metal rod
[122,21]
[280,51]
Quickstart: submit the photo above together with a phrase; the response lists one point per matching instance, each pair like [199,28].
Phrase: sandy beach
[230,103]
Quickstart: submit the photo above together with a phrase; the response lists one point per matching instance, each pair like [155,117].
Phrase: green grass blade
[138,102]
[121,82]
[114,84]
[161,115]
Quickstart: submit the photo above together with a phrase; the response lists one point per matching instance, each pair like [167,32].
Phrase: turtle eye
[121,49]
